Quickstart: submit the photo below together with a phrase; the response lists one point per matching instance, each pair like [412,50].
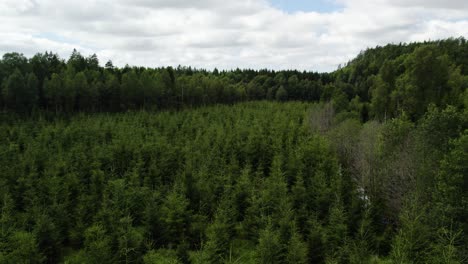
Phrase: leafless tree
[321,117]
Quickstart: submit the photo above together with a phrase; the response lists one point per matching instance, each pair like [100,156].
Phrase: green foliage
[220,233]
[380,103]
[446,247]
[409,77]
[269,247]
[162,256]
[20,92]
[296,250]
[174,216]
[451,198]
[411,244]
[217,181]
[435,131]
[380,83]
[336,233]
[281,94]
[97,245]
[254,182]
[21,247]
[52,89]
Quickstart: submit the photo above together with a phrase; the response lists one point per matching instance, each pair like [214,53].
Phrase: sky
[312,35]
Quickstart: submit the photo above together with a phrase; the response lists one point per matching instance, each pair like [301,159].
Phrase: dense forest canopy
[367,164]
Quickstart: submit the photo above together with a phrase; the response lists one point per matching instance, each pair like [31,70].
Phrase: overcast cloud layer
[223,34]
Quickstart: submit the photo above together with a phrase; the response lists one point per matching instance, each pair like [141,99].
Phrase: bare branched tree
[321,117]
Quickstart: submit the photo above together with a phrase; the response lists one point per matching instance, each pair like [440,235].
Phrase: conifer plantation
[366,164]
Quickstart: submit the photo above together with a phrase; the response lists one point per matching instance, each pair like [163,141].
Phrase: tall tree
[52,92]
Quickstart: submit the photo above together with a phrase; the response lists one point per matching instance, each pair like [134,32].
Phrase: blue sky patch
[55,37]
[291,6]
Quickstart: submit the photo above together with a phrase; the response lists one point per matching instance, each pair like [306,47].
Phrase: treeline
[380,83]
[80,85]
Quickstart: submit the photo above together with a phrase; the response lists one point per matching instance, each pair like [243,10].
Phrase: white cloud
[223,34]
[454,4]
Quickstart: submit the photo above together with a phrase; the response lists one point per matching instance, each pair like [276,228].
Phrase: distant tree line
[380,83]
[80,85]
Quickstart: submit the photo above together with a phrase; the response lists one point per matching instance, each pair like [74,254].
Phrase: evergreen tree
[281,94]
[450,196]
[161,257]
[268,247]
[52,92]
[97,245]
[19,92]
[22,247]
[175,217]
[296,250]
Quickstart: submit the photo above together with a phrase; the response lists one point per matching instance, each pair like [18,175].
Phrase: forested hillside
[367,164]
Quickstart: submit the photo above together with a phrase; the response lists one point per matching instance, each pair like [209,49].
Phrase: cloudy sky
[313,35]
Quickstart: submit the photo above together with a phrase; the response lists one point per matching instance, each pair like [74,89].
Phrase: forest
[366,164]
